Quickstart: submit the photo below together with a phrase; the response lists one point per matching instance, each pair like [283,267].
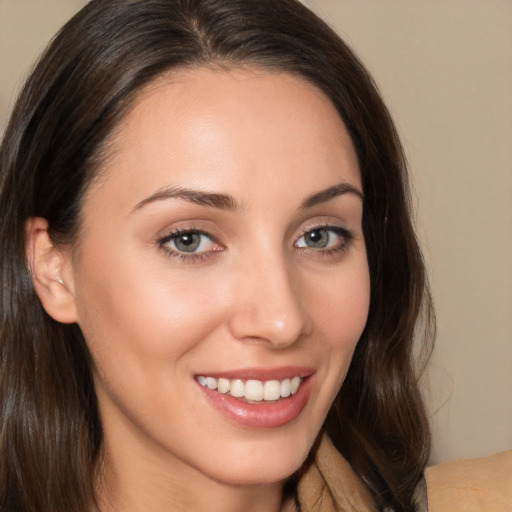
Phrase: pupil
[318,238]
[188,242]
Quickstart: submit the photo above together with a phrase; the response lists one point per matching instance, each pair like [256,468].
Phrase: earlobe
[50,269]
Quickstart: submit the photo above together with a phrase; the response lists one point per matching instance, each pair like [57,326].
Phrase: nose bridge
[268,302]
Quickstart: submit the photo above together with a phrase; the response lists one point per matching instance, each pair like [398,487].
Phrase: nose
[268,305]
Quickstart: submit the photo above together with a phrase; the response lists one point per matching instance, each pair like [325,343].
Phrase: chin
[262,463]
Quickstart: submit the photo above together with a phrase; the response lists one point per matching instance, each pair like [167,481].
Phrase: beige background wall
[445,70]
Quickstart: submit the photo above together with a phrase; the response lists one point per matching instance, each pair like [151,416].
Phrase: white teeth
[272,390]
[223,385]
[237,388]
[253,390]
[285,388]
[295,383]
[211,382]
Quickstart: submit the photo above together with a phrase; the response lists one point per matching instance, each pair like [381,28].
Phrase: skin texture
[254,295]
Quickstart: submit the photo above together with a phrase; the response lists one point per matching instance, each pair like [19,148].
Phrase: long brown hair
[58,134]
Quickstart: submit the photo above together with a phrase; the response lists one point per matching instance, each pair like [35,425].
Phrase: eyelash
[187,257]
[346,236]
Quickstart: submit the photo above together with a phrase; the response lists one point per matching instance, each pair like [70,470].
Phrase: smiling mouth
[252,390]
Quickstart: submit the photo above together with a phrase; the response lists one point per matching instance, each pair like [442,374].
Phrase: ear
[51,271]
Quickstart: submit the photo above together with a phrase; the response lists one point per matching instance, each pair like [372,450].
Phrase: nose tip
[270,307]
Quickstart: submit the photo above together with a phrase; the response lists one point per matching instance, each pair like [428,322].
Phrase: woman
[208,270]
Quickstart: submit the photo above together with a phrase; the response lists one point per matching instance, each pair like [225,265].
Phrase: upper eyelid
[339,231]
[328,226]
[182,230]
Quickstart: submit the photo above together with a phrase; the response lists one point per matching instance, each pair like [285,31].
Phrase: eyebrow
[229,203]
[212,200]
[330,193]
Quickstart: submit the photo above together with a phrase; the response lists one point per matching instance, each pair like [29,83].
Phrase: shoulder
[473,485]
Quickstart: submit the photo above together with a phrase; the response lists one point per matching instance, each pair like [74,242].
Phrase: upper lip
[263,374]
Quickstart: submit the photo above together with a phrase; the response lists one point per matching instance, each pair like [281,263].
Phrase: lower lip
[260,414]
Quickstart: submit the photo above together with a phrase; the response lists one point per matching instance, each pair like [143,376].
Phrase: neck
[140,485]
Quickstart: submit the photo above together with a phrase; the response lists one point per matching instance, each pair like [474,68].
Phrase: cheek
[340,311]
[144,334]
[145,317]
[340,306]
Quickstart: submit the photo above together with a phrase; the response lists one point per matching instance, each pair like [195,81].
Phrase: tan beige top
[473,485]
[330,484]
[476,485]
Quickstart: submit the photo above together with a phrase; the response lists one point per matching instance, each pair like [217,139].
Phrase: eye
[325,238]
[188,243]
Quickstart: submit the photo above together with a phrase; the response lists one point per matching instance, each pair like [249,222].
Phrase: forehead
[211,128]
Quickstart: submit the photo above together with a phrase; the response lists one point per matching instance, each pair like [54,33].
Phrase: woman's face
[222,248]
